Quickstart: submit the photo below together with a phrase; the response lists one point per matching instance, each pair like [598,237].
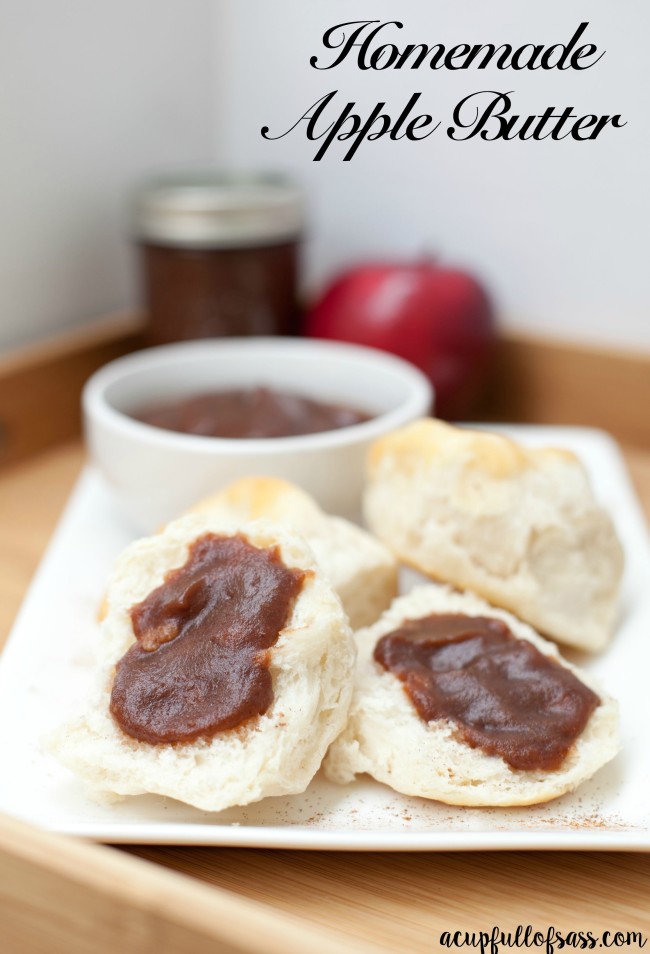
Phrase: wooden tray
[59,895]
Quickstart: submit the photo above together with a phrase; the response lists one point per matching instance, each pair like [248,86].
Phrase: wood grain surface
[60,896]
[538,381]
[40,384]
[390,902]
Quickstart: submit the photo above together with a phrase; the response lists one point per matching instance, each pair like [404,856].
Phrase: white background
[92,95]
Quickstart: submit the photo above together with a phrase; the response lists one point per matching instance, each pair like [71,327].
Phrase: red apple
[438,318]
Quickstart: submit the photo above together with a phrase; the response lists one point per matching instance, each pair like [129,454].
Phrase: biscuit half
[386,738]
[277,753]
[519,526]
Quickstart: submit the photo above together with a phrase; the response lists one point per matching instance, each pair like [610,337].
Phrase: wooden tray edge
[62,895]
[535,380]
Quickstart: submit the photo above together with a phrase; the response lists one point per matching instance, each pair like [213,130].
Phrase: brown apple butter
[502,694]
[217,292]
[250,413]
[220,254]
[200,663]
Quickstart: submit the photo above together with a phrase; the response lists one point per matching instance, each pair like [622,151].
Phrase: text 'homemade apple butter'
[200,663]
[250,413]
[503,695]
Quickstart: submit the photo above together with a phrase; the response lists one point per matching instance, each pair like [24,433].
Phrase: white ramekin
[156,474]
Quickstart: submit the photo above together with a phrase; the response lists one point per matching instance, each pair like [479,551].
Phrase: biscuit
[276,753]
[361,569]
[386,738]
[519,526]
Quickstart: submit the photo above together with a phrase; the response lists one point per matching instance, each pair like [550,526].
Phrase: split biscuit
[519,526]
[387,739]
[276,753]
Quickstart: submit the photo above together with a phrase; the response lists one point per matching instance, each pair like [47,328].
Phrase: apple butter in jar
[220,255]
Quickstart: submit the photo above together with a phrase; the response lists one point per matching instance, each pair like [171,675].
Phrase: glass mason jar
[219,254]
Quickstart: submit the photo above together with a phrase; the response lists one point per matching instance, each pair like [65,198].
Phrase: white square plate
[45,669]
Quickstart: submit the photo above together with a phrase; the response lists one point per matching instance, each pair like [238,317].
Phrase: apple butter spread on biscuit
[200,663]
[501,693]
[250,413]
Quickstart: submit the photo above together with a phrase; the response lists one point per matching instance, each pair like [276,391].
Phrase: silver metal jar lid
[211,209]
